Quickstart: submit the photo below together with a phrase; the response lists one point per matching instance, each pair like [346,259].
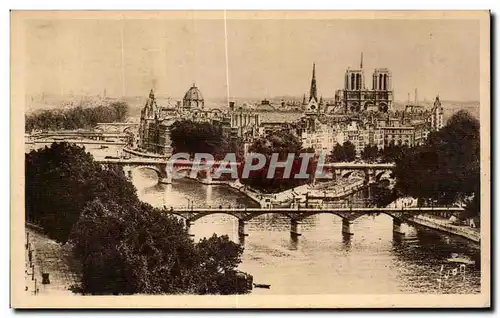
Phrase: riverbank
[439,223]
[143,154]
[446,226]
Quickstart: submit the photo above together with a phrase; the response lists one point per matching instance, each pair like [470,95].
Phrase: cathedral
[356,97]
[313,107]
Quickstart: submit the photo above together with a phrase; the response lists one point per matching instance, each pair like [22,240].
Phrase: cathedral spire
[313,93]
[151,94]
[361,63]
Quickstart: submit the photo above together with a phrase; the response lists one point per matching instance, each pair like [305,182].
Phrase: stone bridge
[373,172]
[117,127]
[166,170]
[399,215]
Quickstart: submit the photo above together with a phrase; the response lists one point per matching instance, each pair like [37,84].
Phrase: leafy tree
[121,110]
[77,117]
[217,271]
[192,137]
[59,182]
[349,151]
[370,153]
[344,152]
[338,153]
[382,196]
[447,167]
[283,143]
[393,152]
[124,246]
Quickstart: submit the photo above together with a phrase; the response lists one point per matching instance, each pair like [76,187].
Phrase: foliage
[370,153]
[76,117]
[60,180]
[125,246]
[382,196]
[393,152]
[137,249]
[344,152]
[217,270]
[283,143]
[202,137]
[446,168]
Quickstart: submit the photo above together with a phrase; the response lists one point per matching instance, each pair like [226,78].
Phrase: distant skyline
[265,58]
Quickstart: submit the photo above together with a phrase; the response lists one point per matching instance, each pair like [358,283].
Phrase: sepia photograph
[250,159]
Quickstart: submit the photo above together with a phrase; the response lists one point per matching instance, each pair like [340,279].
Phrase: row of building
[365,118]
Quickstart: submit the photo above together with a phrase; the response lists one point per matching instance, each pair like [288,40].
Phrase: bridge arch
[235,214]
[159,173]
[347,174]
[306,215]
[383,175]
[127,129]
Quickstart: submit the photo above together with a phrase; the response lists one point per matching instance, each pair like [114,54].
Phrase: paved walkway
[438,222]
[50,257]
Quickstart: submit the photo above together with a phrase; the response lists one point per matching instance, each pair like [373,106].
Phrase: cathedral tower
[313,92]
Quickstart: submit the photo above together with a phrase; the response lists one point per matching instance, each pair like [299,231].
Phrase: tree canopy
[202,137]
[76,117]
[283,143]
[370,153]
[125,246]
[447,167]
[344,152]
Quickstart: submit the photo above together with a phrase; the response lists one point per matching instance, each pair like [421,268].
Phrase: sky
[257,58]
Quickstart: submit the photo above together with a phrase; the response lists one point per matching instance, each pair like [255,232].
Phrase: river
[322,260]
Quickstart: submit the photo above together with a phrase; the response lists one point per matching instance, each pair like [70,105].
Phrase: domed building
[193,98]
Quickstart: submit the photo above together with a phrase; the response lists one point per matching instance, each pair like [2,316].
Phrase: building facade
[156,121]
[356,97]
[436,118]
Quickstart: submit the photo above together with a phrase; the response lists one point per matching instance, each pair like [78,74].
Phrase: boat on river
[262,286]
[455,258]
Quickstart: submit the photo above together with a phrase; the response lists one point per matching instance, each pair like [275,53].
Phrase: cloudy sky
[265,58]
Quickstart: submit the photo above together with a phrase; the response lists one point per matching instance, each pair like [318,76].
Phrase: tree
[382,196]
[217,271]
[370,153]
[195,137]
[124,246]
[337,154]
[349,151]
[447,167]
[121,110]
[80,116]
[283,143]
[393,152]
[344,152]
[59,182]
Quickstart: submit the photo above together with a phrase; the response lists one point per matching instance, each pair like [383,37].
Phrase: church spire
[361,63]
[313,93]
[151,94]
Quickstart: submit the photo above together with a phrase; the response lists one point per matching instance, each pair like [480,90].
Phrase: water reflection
[322,260]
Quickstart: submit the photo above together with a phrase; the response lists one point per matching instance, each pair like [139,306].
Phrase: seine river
[322,261]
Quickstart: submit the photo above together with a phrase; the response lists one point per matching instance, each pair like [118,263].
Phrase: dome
[193,98]
[193,94]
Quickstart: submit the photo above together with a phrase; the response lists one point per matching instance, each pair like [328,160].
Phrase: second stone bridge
[348,215]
